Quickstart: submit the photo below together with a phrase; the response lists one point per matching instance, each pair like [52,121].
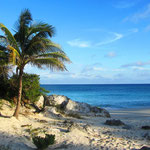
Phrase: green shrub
[42,143]
[31,89]
[4,87]
[4,75]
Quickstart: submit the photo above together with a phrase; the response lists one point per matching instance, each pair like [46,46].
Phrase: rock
[127,127]
[51,112]
[114,122]
[40,102]
[145,127]
[100,112]
[87,127]
[145,148]
[76,107]
[73,107]
[77,126]
[147,136]
[55,100]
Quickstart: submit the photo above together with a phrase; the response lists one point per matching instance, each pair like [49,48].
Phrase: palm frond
[25,17]
[22,26]
[13,49]
[10,38]
[41,45]
[5,69]
[35,46]
[41,29]
[3,58]
[58,55]
[53,47]
[51,63]
[24,20]
[14,55]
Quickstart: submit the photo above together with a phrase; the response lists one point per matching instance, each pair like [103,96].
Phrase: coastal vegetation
[42,143]
[31,89]
[30,44]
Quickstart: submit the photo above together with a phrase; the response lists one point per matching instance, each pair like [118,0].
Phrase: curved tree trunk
[16,113]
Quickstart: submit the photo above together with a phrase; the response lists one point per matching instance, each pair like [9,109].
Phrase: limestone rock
[40,102]
[73,107]
[55,100]
[51,112]
[114,122]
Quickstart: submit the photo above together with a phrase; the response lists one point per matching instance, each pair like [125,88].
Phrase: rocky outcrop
[145,127]
[114,122]
[51,112]
[40,102]
[54,100]
[73,107]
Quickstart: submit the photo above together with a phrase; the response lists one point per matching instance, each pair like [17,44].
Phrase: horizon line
[93,83]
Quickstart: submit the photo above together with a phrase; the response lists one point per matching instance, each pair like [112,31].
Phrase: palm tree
[31,44]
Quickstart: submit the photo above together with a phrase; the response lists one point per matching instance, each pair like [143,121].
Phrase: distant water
[107,96]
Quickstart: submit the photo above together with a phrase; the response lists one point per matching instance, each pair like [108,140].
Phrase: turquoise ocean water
[111,96]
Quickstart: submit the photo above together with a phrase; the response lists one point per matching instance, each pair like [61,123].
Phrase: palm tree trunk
[17,70]
[16,113]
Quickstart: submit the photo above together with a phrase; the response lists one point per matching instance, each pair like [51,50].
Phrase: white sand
[97,136]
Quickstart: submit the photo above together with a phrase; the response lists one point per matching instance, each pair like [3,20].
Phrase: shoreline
[131,113]
[71,133]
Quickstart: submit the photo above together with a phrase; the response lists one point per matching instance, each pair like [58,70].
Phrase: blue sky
[108,42]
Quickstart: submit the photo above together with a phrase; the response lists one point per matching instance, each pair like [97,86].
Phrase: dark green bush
[4,85]
[31,89]
[42,143]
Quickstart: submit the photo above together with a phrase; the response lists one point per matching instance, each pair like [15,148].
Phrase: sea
[110,96]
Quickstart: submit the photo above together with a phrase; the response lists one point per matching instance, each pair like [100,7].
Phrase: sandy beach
[138,113]
[88,133]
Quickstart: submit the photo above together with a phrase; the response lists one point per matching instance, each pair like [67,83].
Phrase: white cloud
[140,68]
[92,67]
[140,15]
[136,64]
[111,54]
[116,36]
[79,43]
[113,36]
[95,73]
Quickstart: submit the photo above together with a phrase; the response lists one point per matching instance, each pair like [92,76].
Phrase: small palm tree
[31,44]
